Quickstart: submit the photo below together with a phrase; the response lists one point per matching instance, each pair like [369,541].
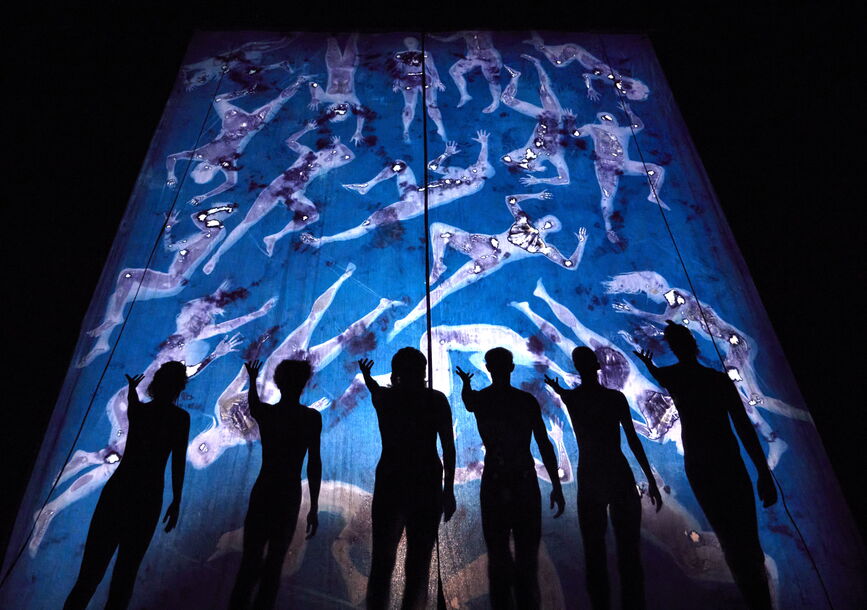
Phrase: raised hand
[529,180]
[452,148]
[646,356]
[253,367]
[134,380]
[465,376]
[554,384]
[365,364]
[481,136]
[172,219]
[546,194]
[227,345]
[581,234]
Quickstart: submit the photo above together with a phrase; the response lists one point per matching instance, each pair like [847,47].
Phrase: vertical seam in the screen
[619,93]
[126,319]
[424,88]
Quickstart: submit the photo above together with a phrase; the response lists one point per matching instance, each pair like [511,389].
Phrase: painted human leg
[655,175]
[434,113]
[457,71]
[410,97]
[264,203]
[607,178]
[303,214]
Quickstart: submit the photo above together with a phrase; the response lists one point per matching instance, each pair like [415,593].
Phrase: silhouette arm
[314,474]
[638,451]
[549,458]
[468,395]
[447,440]
[179,464]
[657,373]
[253,401]
[750,440]
[372,386]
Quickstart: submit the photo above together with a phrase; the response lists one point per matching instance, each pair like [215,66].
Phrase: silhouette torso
[505,418]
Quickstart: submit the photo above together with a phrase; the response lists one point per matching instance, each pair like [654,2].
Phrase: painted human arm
[468,395]
[226,345]
[447,440]
[230,181]
[292,141]
[365,364]
[179,465]
[172,161]
[555,256]
[230,325]
[635,123]
[513,201]
[271,108]
[437,164]
[314,473]
[561,179]
[549,459]
[638,451]
[222,105]
[744,428]
[317,96]
[359,112]
[171,221]
[253,367]
[509,99]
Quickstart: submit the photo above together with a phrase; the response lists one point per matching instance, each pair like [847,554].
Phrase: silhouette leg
[626,523]
[593,520]
[255,537]
[102,541]
[496,530]
[527,530]
[130,553]
[421,533]
[387,524]
[278,545]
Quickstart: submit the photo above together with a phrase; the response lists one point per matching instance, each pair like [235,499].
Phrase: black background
[769,96]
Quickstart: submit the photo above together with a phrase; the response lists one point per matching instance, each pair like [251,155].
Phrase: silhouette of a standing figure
[706,399]
[510,499]
[605,482]
[410,490]
[288,430]
[129,506]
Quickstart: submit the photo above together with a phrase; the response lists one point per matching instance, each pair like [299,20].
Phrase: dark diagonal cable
[126,319]
[619,92]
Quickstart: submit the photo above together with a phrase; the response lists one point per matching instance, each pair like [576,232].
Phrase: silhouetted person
[706,399]
[605,482]
[288,430]
[129,506]
[510,499]
[410,490]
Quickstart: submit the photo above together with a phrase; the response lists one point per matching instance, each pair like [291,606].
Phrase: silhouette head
[586,363]
[408,368]
[291,376]
[499,362]
[168,382]
[680,340]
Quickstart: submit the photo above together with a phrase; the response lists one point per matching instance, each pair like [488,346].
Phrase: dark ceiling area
[768,97]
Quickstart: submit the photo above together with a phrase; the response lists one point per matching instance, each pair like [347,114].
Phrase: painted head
[168,382]
[410,43]
[408,368]
[291,376]
[632,88]
[213,217]
[680,340]
[649,282]
[586,363]
[499,362]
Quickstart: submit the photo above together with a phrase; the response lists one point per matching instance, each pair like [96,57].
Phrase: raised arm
[447,440]
[635,123]
[271,108]
[549,459]
[230,181]
[314,472]
[555,256]
[222,105]
[513,201]
[437,164]
[131,392]
[554,384]
[292,141]
[372,386]
[253,401]
[171,221]
[646,357]
[179,464]
[226,345]
[468,395]
[750,440]
[638,451]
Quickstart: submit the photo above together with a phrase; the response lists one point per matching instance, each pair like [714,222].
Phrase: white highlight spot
[734,374]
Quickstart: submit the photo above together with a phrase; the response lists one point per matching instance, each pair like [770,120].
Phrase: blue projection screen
[280,213]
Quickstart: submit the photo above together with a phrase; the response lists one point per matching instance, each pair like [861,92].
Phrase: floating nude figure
[563,55]
[480,54]
[544,144]
[488,253]
[739,350]
[611,149]
[340,92]
[146,284]
[406,69]
[290,189]
[242,64]
[237,129]
[232,422]
[618,372]
[195,324]
[456,183]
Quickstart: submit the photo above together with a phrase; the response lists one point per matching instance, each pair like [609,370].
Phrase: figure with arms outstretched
[605,481]
[129,507]
[488,253]
[289,431]
[237,129]
[455,183]
[481,54]
[709,406]
[243,64]
[413,488]
[290,189]
[562,55]
[510,500]
[340,91]
[145,284]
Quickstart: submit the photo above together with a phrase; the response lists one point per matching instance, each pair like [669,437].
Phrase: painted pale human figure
[488,253]
[659,417]
[339,93]
[739,349]
[611,148]
[145,284]
[237,129]
[410,80]
[232,423]
[481,54]
[243,64]
[195,324]
[289,188]
[455,183]
[562,55]
[544,145]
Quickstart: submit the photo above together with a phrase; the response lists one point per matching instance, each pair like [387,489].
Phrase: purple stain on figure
[361,344]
